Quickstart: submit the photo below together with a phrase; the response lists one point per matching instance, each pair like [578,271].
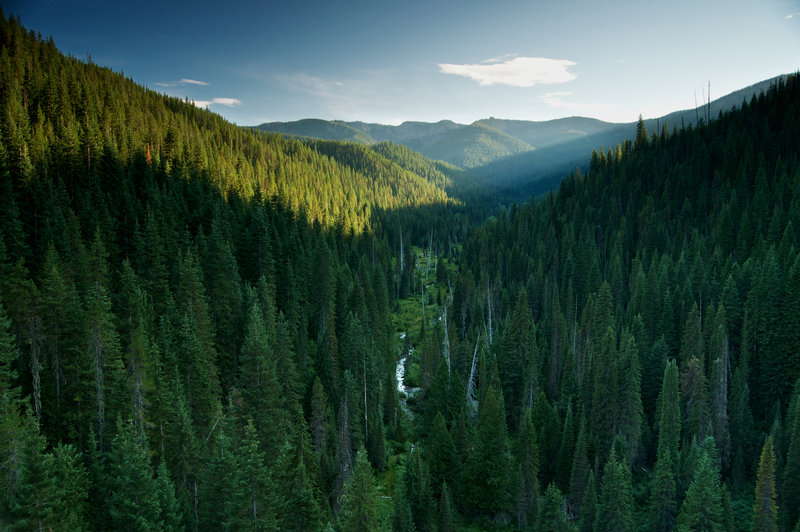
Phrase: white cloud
[230,102]
[557,101]
[181,82]
[517,72]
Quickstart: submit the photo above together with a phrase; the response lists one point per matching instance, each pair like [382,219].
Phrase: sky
[428,60]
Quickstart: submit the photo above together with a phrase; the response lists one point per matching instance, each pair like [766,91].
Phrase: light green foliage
[765,508]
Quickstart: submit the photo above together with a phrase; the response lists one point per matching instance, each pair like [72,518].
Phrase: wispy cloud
[230,102]
[181,82]
[499,58]
[557,100]
[790,16]
[516,72]
[341,98]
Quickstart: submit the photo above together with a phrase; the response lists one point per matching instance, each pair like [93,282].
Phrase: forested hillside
[646,335]
[194,317]
[205,327]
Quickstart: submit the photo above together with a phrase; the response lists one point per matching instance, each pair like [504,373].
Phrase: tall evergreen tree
[702,508]
[486,474]
[615,504]
[359,502]
[664,500]
[134,499]
[765,508]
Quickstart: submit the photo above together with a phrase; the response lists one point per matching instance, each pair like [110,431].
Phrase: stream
[400,373]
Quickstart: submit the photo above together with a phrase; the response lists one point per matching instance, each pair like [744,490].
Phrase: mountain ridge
[521,155]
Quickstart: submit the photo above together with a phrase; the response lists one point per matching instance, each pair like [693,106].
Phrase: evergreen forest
[210,327]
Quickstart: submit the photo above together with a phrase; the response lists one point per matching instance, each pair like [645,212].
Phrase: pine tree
[580,469]
[765,509]
[790,486]
[447,512]
[615,504]
[104,350]
[486,470]
[259,384]
[589,508]
[664,501]
[518,368]
[170,517]
[603,417]
[440,453]
[702,508]
[552,517]
[134,499]
[254,509]
[402,521]
[8,361]
[526,452]
[630,399]
[359,509]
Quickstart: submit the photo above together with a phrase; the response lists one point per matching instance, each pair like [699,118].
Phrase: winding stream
[400,373]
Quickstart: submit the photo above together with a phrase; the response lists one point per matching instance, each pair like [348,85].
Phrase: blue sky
[429,60]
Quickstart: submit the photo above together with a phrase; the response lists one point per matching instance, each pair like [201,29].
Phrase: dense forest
[206,327]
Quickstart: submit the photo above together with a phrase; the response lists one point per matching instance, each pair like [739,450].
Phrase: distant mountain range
[523,156]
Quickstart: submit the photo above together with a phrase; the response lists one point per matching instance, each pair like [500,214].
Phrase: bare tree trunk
[471,401]
[446,342]
[402,265]
[36,365]
[489,303]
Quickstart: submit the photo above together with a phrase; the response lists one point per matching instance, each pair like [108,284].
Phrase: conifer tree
[103,347]
[664,501]
[790,485]
[447,512]
[515,360]
[8,361]
[134,499]
[603,416]
[170,517]
[615,504]
[527,457]
[402,521]
[702,508]
[589,508]
[552,517]
[260,388]
[765,508]
[359,511]
[441,456]
[486,473]
[630,398]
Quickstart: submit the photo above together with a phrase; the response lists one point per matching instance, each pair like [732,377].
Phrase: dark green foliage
[552,517]
[790,483]
[486,472]
[765,508]
[359,502]
[615,508]
[157,263]
[703,509]
[440,453]
[134,498]
[526,452]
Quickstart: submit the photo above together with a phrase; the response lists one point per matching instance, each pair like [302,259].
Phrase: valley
[569,325]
